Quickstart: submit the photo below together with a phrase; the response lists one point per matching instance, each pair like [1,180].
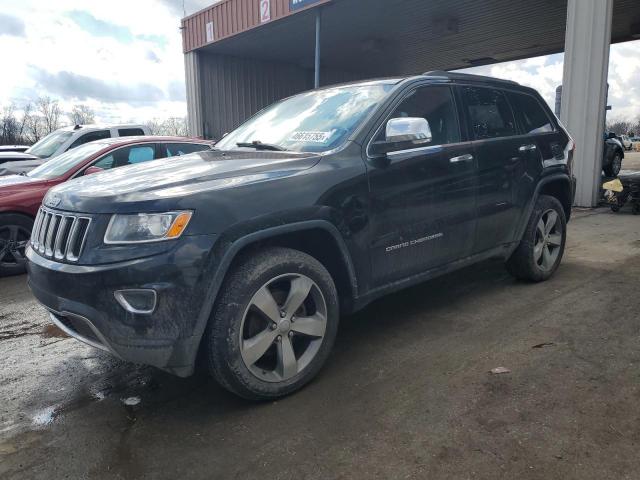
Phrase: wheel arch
[17,212]
[336,260]
[556,185]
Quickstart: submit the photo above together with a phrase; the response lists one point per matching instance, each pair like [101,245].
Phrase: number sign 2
[265,11]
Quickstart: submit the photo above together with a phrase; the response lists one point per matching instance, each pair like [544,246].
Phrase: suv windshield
[315,121]
[63,163]
[49,144]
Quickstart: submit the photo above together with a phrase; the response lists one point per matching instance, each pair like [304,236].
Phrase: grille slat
[36,229]
[59,236]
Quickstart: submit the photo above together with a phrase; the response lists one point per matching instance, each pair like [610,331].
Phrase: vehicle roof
[149,139]
[100,126]
[436,75]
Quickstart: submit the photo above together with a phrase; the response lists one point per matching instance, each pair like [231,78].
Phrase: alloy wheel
[283,327]
[548,240]
[13,243]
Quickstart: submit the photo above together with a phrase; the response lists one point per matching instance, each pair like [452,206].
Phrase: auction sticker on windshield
[310,137]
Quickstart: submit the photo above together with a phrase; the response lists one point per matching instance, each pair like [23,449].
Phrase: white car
[62,140]
[626,142]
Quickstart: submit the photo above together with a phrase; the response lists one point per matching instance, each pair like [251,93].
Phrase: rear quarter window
[531,115]
[130,132]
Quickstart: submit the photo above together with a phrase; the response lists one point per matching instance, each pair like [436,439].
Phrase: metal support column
[195,118]
[316,82]
[584,90]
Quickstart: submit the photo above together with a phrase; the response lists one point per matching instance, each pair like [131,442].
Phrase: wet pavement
[406,394]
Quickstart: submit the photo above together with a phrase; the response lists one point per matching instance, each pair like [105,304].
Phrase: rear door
[538,128]
[500,152]
[422,197]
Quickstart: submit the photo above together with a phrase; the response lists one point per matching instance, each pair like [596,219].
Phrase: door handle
[462,158]
[527,148]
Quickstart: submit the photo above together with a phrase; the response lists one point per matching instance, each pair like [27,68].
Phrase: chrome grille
[59,236]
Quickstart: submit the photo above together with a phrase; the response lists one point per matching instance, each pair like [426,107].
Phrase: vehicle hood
[18,182]
[175,178]
[12,156]
[13,168]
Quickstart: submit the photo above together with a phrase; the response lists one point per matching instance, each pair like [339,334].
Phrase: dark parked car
[314,207]
[21,195]
[613,155]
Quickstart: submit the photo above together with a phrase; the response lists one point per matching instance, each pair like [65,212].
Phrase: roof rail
[467,76]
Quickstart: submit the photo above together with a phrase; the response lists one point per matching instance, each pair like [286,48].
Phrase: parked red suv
[21,195]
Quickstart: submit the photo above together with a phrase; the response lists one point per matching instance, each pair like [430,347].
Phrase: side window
[90,137]
[137,154]
[489,113]
[130,132]
[177,149]
[434,104]
[530,113]
[105,163]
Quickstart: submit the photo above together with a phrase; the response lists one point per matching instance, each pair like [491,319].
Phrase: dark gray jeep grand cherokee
[314,207]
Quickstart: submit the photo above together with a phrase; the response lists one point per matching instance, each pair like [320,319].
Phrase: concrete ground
[631,161]
[406,394]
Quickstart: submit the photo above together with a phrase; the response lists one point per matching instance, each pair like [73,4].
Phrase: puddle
[48,331]
[51,331]
[131,401]
[44,417]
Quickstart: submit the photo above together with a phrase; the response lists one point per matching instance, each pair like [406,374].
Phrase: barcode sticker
[311,137]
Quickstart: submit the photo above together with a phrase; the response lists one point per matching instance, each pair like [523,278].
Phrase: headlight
[146,227]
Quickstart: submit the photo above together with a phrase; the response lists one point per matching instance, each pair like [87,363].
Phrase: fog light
[141,301]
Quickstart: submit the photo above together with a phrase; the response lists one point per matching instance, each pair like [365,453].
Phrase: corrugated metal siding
[233,89]
[229,18]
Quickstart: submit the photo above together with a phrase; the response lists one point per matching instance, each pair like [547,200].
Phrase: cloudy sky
[124,59]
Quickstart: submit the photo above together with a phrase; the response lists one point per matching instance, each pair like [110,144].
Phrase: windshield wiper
[258,145]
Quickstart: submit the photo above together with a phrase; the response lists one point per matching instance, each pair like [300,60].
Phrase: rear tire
[613,169]
[540,251]
[273,325]
[15,231]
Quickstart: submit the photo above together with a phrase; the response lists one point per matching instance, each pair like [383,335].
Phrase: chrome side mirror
[408,129]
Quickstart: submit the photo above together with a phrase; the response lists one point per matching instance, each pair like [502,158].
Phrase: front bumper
[81,300]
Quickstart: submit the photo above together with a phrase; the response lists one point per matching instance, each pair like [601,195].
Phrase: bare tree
[82,115]
[8,125]
[170,126]
[35,128]
[27,111]
[50,112]
[621,126]
[154,126]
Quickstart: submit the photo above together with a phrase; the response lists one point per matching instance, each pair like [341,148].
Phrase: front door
[422,196]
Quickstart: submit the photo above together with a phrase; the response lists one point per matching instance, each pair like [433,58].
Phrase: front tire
[15,231]
[273,325]
[540,251]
